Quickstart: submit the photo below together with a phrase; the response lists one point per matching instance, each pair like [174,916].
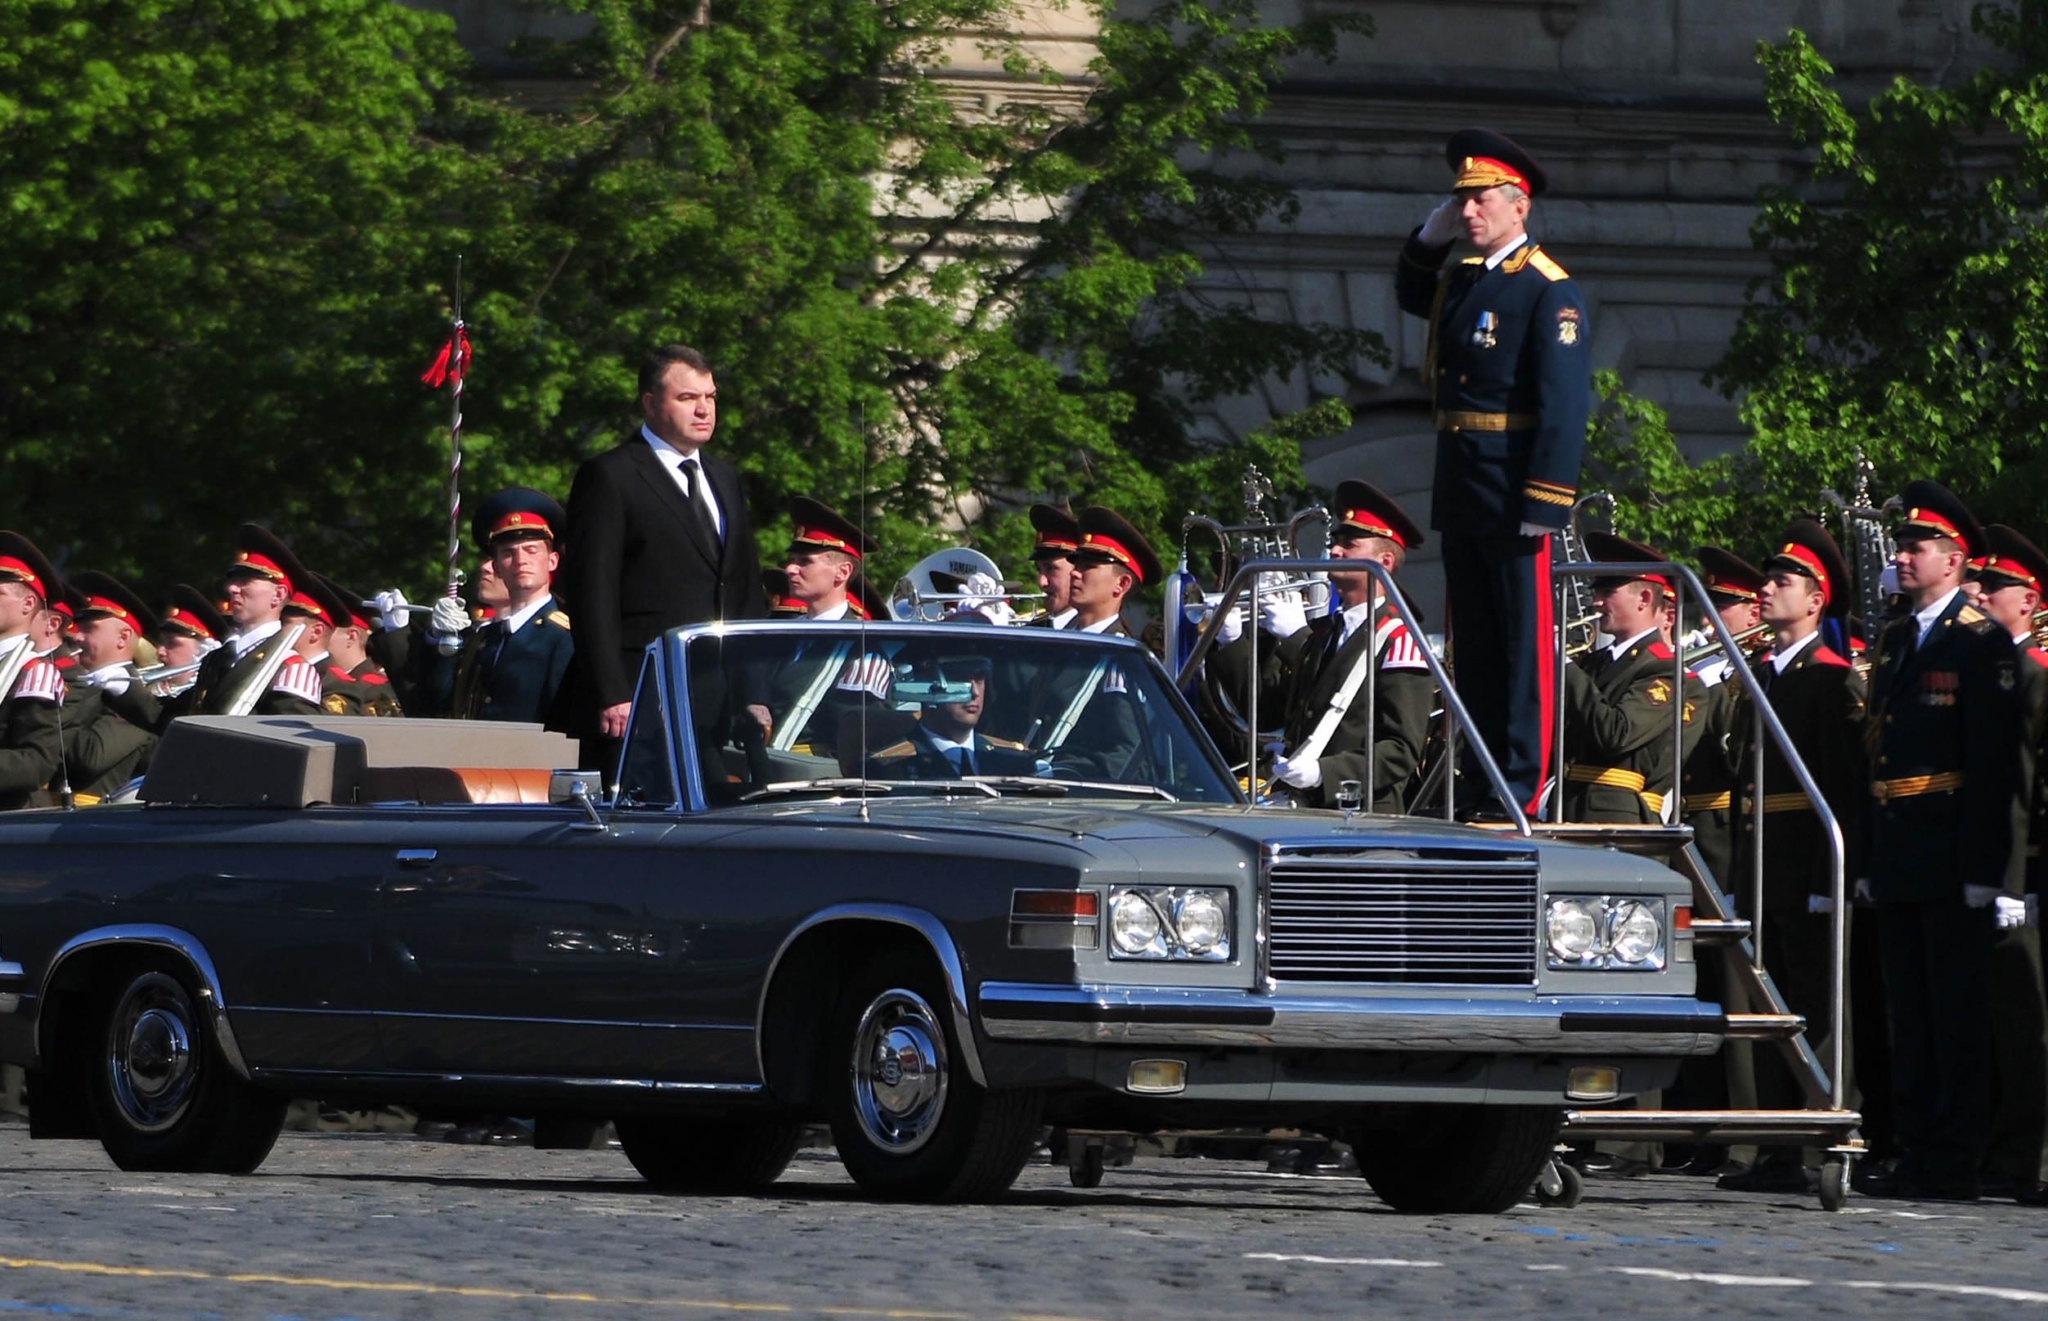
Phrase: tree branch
[698,21]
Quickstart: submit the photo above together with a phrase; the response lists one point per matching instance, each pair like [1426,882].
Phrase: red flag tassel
[452,363]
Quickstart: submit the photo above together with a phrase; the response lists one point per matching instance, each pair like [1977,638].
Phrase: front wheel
[162,1096]
[1457,1159]
[908,1123]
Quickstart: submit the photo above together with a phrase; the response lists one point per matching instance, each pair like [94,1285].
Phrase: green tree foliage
[1660,497]
[239,219]
[1906,313]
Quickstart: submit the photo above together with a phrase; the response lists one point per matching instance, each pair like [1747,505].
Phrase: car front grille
[1445,916]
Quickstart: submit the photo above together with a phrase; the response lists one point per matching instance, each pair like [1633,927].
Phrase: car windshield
[795,708]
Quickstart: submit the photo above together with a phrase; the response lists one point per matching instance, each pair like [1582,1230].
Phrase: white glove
[2011,912]
[1281,615]
[391,611]
[1306,773]
[1980,896]
[1863,890]
[449,619]
[1443,224]
[1232,627]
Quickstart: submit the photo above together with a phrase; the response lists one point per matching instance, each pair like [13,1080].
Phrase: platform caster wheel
[1086,1169]
[1834,1185]
[1571,1186]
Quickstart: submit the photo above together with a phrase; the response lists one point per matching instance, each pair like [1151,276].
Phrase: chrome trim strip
[497,1018]
[935,934]
[11,971]
[183,943]
[515,1079]
[1566,1025]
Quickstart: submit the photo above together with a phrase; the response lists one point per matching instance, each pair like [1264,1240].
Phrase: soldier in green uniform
[1305,673]
[2010,580]
[1619,699]
[510,667]
[31,686]
[1944,741]
[1100,741]
[191,628]
[319,611]
[104,749]
[1732,584]
[259,582]
[1052,555]
[1819,698]
[348,657]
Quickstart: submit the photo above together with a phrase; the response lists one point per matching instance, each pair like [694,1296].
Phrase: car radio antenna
[860,426]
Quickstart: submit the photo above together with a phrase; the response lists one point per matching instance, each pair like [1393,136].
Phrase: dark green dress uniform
[1710,770]
[1617,733]
[103,749]
[31,707]
[1107,742]
[294,690]
[1510,377]
[379,698]
[2018,1145]
[1945,727]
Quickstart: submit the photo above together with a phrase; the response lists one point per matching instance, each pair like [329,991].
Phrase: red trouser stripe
[1546,669]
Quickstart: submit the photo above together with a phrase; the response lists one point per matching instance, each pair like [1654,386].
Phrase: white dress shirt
[1784,656]
[1497,258]
[698,488]
[516,620]
[1620,649]
[244,643]
[1927,617]
[827,616]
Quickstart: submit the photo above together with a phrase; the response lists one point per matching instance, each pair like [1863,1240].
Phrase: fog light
[1158,1077]
[1593,1082]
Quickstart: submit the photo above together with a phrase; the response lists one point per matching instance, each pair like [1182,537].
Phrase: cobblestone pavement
[376,1226]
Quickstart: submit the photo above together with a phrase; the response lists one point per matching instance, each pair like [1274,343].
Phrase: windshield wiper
[782,788]
[1032,784]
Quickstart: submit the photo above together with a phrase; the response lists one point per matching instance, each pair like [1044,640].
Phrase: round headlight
[1572,926]
[1200,923]
[1133,926]
[1635,933]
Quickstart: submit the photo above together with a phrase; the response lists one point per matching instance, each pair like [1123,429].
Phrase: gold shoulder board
[558,619]
[1969,614]
[1551,270]
[1005,744]
[903,749]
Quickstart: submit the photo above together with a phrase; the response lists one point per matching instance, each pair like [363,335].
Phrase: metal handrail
[1767,722]
[1456,717]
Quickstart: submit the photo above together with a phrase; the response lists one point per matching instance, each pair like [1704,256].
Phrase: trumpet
[1755,633]
[163,680]
[1590,623]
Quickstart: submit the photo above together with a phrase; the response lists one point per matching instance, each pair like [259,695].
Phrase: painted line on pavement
[494,1294]
[1341,1261]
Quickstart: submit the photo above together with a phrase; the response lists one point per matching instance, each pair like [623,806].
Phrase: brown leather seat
[455,784]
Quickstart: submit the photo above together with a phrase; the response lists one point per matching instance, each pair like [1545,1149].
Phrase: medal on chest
[1483,336]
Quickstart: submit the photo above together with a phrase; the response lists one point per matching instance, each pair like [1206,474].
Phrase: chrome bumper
[1150,1016]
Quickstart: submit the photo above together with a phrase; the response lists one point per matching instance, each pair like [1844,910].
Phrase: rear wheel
[162,1096]
[910,1124]
[731,1155]
[1457,1159]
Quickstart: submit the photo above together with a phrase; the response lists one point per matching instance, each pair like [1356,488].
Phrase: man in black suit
[658,537]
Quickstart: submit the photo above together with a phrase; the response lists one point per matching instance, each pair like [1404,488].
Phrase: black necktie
[698,496]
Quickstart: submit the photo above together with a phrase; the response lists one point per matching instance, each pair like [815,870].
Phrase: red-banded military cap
[2012,561]
[518,513]
[21,562]
[351,601]
[1606,548]
[1483,158]
[1059,532]
[819,527]
[1106,535]
[102,595]
[316,598]
[1809,549]
[1363,508]
[1728,576]
[192,614]
[1932,510]
[862,601]
[259,554]
[776,588]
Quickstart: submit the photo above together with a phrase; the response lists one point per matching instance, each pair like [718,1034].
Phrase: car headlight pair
[1605,931]
[1169,922]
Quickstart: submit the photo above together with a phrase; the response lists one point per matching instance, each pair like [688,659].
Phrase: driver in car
[944,743]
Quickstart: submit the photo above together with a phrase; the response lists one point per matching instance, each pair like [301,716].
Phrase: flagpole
[458,340]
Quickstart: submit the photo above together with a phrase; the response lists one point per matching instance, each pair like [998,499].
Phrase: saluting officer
[1732,584]
[2010,580]
[1819,698]
[511,666]
[32,693]
[103,748]
[1619,699]
[1508,371]
[1944,743]
[1304,673]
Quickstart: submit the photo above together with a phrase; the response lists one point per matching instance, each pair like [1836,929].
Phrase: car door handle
[417,857]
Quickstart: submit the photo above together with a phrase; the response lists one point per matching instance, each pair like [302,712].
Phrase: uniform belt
[85,800]
[1912,786]
[1615,777]
[1706,802]
[1796,801]
[1459,421]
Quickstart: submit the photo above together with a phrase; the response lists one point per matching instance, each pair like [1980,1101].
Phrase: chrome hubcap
[149,1053]
[899,1072]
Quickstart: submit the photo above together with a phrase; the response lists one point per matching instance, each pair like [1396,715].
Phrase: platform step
[1835,1126]
[1764,1027]
[1719,931]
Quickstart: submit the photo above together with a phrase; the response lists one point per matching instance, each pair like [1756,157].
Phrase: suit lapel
[725,484]
[665,490]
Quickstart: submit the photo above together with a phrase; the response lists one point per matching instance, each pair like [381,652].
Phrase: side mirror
[578,789]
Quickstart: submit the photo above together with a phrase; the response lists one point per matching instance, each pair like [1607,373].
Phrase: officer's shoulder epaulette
[557,618]
[1473,261]
[1550,269]
[1661,650]
[1828,656]
[903,749]
[372,677]
[1971,617]
[1008,745]
[2036,655]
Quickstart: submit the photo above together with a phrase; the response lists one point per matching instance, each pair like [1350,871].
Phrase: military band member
[1052,555]
[259,583]
[512,666]
[781,605]
[1302,674]
[2010,579]
[1944,745]
[104,749]
[1511,381]
[190,628]
[1111,561]
[317,611]
[1732,585]
[32,697]
[349,655]
[1619,699]
[1819,698]
[825,553]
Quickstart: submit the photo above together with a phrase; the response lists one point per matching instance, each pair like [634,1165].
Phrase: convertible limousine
[936,885]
